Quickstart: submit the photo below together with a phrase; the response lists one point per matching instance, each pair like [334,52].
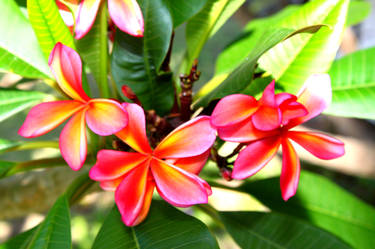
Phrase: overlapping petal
[66,66]
[127,16]
[130,194]
[111,185]
[106,117]
[255,156]
[243,132]
[178,187]
[291,110]
[46,116]
[189,139]
[73,142]
[86,16]
[318,144]
[134,134]
[192,164]
[150,186]
[315,95]
[290,170]
[113,164]
[267,118]
[233,109]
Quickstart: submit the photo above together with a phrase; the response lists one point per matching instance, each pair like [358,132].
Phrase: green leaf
[204,25]
[293,61]
[165,227]
[54,231]
[323,204]
[136,61]
[273,230]
[14,101]
[241,77]
[357,12]
[5,167]
[19,241]
[353,85]
[19,48]
[48,25]
[182,10]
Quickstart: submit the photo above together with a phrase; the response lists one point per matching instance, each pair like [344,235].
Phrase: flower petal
[87,11]
[112,164]
[290,171]
[233,109]
[127,15]
[66,66]
[146,203]
[46,116]
[291,110]
[134,134]
[254,157]
[130,194]
[178,187]
[189,139]
[111,185]
[66,14]
[192,164]
[315,95]
[243,132]
[73,142]
[106,117]
[318,144]
[267,118]
[268,98]
[282,97]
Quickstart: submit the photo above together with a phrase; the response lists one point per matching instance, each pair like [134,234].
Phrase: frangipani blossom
[171,167]
[103,116]
[236,120]
[126,14]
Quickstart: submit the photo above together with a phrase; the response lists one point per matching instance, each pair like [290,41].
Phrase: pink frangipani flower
[126,14]
[172,167]
[103,116]
[266,124]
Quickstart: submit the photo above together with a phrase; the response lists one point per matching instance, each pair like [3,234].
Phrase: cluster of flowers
[173,166]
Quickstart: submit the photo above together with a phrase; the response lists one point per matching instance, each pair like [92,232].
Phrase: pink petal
[189,139]
[134,134]
[268,98]
[66,14]
[178,187]
[73,143]
[127,15]
[290,171]
[320,145]
[233,109]
[66,66]
[267,118]
[243,132]
[255,156]
[106,117]
[111,185]
[112,164]
[87,11]
[130,194]
[192,164]
[291,110]
[146,203]
[282,97]
[316,95]
[46,116]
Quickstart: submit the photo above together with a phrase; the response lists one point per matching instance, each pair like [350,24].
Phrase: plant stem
[103,82]
[78,188]
[34,145]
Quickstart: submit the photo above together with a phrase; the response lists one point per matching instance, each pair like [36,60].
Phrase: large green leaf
[204,25]
[19,49]
[19,241]
[48,25]
[275,231]
[323,204]
[136,62]
[241,77]
[353,85]
[358,11]
[182,10]
[165,227]
[52,233]
[14,101]
[294,60]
